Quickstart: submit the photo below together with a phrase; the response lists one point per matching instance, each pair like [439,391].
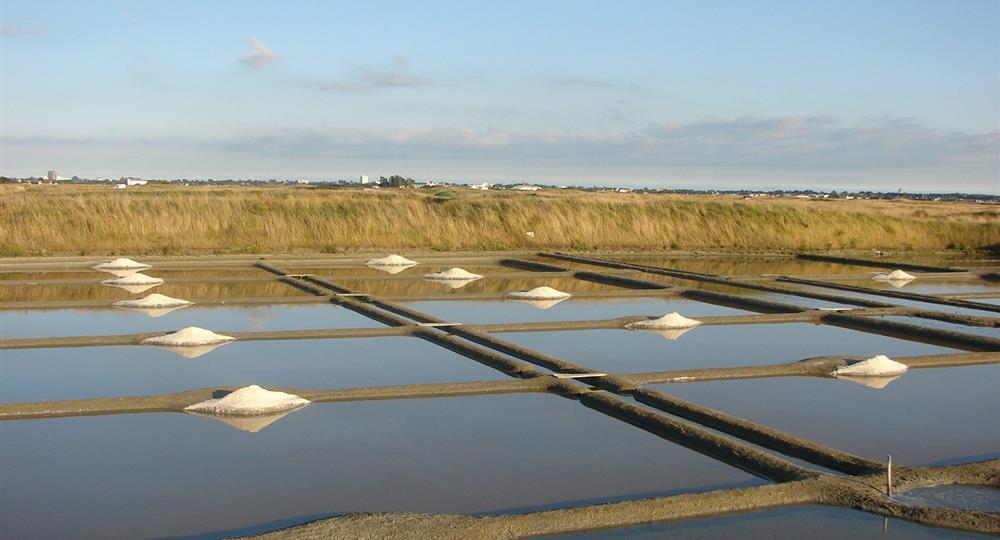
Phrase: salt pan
[391,260]
[458,274]
[137,278]
[249,401]
[153,301]
[895,275]
[877,366]
[539,293]
[250,424]
[188,337]
[193,351]
[122,264]
[669,321]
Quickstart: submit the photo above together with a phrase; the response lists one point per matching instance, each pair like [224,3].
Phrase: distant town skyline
[823,95]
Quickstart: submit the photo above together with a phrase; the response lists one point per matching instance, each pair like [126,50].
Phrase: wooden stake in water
[888,477]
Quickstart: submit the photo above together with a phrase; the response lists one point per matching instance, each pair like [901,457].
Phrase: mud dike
[819,474]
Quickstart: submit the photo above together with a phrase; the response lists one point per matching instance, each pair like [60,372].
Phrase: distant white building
[364,179]
[484,186]
[129,181]
[526,187]
[53,176]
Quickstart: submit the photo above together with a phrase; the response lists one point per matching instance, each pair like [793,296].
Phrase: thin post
[888,477]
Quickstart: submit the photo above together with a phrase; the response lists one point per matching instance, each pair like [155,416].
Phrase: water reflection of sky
[924,416]
[145,475]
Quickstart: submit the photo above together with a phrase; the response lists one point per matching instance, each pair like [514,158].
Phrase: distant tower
[53,176]
[364,178]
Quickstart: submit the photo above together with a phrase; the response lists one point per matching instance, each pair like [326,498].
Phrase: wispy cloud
[823,143]
[581,82]
[260,55]
[368,78]
[798,146]
[11,31]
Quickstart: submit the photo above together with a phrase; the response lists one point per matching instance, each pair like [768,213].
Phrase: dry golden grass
[176,219]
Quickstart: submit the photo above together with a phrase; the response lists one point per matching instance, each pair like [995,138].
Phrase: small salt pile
[667,322]
[457,274]
[672,334]
[188,337]
[876,366]
[541,304]
[137,278]
[894,276]
[121,264]
[875,383]
[249,401]
[391,260]
[192,352]
[153,301]
[539,293]
[154,305]
[250,424]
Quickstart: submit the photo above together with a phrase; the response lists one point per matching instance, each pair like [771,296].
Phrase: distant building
[364,179]
[53,176]
[129,181]
[484,186]
[526,187]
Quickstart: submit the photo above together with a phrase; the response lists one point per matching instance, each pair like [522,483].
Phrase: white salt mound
[249,401]
[539,293]
[191,352]
[392,260]
[119,273]
[389,269]
[877,366]
[669,321]
[250,424]
[875,383]
[122,264]
[153,301]
[895,275]
[672,334]
[453,273]
[188,337]
[136,289]
[541,304]
[137,278]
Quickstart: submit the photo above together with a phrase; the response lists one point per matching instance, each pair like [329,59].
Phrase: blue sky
[884,94]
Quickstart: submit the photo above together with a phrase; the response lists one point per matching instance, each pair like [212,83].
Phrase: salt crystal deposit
[192,352]
[136,289]
[669,321]
[188,337]
[153,301]
[391,260]
[541,304]
[895,275]
[122,264]
[121,273]
[389,269]
[877,366]
[671,334]
[250,424]
[249,401]
[876,383]
[137,278]
[458,274]
[539,293]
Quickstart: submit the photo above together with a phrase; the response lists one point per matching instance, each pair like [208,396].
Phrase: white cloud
[260,56]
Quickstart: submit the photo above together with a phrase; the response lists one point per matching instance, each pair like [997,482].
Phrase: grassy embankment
[39,220]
